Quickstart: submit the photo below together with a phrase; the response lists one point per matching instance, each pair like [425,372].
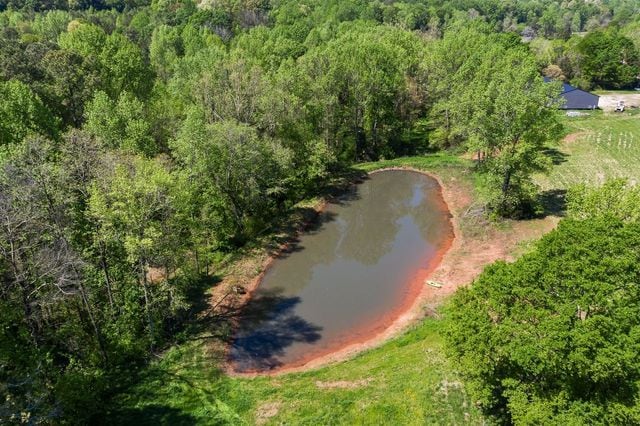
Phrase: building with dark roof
[575,98]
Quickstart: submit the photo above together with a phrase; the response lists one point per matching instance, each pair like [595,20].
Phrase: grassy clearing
[437,161]
[607,146]
[616,92]
[407,381]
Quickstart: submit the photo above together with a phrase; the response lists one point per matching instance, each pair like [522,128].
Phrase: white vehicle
[620,106]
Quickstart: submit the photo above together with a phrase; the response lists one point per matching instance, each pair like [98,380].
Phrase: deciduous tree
[553,337]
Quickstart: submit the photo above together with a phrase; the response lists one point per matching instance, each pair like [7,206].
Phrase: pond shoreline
[391,324]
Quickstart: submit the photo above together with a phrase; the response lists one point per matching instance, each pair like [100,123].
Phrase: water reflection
[351,270]
[270,325]
[371,227]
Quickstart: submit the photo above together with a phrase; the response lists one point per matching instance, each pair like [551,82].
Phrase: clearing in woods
[599,146]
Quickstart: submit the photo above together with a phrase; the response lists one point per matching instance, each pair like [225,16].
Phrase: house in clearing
[575,98]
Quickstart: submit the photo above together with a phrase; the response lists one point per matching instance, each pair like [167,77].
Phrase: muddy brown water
[348,277]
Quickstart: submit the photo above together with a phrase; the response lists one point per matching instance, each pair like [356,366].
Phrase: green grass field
[406,381]
[607,146]
[615,92]
[441,162]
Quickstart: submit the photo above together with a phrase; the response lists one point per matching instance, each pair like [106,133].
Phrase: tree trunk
[28,313]
[196,252]
[360,142]
[25,290]
[147,309]
[506,184]
[446,126]
[105,270]
[94,324]
[206,259]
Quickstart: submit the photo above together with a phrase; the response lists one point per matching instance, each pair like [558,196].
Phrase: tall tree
[499,104]
[553,337]
[70,82]
[45,283]
[133,208]
[120,124]
[249,174]
[609,59]
[357,90]
[22,112]
[124,67]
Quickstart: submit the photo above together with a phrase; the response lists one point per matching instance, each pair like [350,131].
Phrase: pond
[361,266]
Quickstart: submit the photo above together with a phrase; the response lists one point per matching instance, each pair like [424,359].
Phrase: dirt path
[610,101]
[572,137]
[477,243]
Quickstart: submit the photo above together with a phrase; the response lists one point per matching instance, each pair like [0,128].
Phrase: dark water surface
[350,276]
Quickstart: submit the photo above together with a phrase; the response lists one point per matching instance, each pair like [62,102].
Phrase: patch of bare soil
[446,385]
[573,137]
[610,101]
[343,384]
[477,243]
[469,255]
[267,410]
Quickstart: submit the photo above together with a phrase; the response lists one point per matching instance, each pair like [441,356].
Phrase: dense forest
[140,143]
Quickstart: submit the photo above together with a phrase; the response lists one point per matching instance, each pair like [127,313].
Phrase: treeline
[138,146]
[605,58]
[546,18]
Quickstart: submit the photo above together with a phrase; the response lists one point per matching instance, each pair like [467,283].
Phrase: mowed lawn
[600,146]
[406,381]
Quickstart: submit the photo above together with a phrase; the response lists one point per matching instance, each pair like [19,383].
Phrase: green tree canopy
[357,88]
[121,64]
[609,59]
[617,198]
[22,112]
[495,102]
[247,173]
[120,124]
[554,337]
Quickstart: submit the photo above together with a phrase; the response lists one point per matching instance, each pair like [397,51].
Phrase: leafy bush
[554,337]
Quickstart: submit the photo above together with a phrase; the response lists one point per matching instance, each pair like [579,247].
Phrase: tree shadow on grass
[268,325]
[185,382]
[557,157]
[197,295]
[172,387]
[152,415]
[195,320]
[554,202]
